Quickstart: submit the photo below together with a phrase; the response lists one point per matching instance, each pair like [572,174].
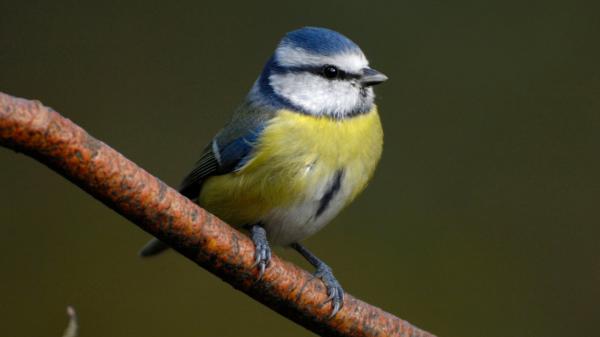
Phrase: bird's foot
[262,252]
[334,289]
[323,271]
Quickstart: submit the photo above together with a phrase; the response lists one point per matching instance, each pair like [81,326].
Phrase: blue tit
[302,145]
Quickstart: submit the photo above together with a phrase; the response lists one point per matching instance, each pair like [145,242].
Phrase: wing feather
[231,148]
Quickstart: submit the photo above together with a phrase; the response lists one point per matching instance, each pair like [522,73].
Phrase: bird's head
[319,72]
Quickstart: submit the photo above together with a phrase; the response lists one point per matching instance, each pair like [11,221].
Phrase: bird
[302,145]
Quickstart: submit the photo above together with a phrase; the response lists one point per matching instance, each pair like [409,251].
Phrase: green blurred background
[482,219]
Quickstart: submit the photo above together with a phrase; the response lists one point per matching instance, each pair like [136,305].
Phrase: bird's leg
[262,252]
[334,290]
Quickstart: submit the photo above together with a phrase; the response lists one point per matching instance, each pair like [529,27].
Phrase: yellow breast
[293,160]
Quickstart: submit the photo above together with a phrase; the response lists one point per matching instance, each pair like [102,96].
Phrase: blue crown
[321,41]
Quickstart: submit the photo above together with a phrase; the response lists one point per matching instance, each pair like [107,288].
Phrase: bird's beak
[371,77]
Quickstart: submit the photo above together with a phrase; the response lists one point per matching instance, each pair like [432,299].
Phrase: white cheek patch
[351,61]
[318,95]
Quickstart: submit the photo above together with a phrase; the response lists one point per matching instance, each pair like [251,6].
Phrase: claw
[334,289]
[262,270]
[336,308]
[262,252]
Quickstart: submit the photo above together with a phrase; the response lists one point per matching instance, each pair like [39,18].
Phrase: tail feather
[153,247]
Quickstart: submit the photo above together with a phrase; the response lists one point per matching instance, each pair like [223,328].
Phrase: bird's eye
[330,71]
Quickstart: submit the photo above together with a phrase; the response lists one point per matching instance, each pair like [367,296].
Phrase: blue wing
[229,150]
[235,154]
[219,159]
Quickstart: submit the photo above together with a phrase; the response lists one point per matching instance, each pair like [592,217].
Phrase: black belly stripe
[331,192]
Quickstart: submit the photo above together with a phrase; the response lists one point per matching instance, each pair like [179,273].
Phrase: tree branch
[29,127]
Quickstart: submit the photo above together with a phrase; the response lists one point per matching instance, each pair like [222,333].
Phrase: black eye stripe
[318,70]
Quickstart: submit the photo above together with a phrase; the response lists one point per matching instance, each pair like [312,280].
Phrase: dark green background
[482,219]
